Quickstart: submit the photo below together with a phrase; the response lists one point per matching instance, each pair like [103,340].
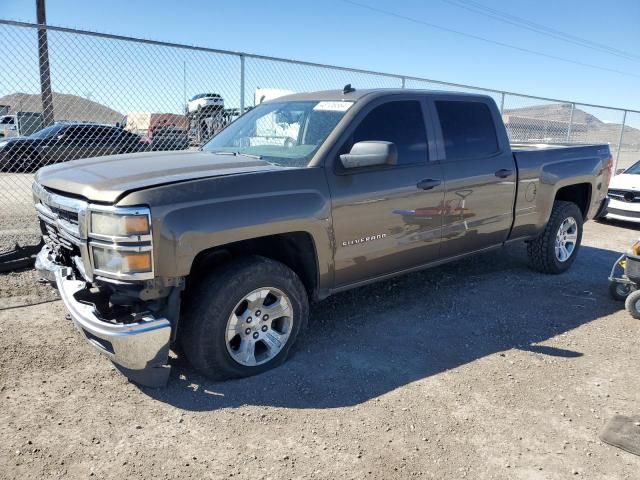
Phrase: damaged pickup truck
[220,251]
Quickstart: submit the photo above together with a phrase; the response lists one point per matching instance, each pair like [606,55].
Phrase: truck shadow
[367,342]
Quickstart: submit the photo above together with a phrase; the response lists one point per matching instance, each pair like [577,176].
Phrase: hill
[65,107]
[550,123]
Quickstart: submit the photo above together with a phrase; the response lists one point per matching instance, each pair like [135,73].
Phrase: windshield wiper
[250,155]
[224,152]
[234,154]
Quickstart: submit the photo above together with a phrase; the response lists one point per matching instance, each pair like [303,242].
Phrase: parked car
[624,195]
[221,250]
[205,101]
[8,126]
[65,141]
[166,138]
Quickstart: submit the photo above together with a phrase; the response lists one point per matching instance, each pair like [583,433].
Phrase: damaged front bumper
[140,350]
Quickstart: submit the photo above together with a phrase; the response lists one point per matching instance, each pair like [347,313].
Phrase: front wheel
[619,291]
[244,318]
[555,250]
[632,304]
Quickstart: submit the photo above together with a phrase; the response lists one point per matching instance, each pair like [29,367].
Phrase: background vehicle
[205,100]
[624,195]
[8,126]
[20,124]
[63,142]
[166,138]
[221,250]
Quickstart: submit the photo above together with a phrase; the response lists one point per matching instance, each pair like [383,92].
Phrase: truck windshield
[284,133]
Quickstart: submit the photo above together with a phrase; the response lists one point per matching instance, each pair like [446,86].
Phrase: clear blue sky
[342,33]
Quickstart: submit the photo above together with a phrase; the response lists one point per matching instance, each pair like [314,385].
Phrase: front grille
[53,238]
[62,224]
[624,195]
[66,215]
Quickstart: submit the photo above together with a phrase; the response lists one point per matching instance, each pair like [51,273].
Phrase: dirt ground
[480,369]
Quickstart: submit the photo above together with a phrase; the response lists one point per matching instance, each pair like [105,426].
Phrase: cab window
[468,130]
[400,122]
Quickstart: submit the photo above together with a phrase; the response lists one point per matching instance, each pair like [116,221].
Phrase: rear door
[480,174]
[387,218]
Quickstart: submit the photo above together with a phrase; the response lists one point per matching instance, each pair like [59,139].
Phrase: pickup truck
[217,253]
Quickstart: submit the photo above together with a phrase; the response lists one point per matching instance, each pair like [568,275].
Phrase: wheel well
[296,250]
[580,194]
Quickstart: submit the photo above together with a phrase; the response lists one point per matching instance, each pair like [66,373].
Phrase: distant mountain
[586,127]
[65,107]
[555,111]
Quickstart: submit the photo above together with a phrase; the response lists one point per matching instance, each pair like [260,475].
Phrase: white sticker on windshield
[332,106]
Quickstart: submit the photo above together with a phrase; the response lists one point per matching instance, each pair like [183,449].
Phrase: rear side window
[398,122]
[467,129]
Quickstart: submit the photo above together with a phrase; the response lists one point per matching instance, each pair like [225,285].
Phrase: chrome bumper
[139,350]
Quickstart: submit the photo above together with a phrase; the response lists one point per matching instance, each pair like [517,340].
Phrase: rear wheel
[555,250]
[244,318]
[632,304]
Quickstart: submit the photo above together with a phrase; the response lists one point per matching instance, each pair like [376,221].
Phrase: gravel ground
[479,369]
[17,216]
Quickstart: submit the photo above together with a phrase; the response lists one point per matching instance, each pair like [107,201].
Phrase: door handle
[504,173]
[428,183]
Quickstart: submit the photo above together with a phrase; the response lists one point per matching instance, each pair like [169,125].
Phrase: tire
[542,250]
[619,291]
[221,297]
[632,304]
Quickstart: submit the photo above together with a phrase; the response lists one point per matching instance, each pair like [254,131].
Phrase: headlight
[119,262]
[105,223]
[2,144]
[120,242]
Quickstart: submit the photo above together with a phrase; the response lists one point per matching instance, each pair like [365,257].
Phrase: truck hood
[625,181]
[106,179]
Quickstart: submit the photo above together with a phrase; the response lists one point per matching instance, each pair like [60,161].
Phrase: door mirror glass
[369,154]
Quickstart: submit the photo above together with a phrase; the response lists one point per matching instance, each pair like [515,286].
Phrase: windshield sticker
[332,106]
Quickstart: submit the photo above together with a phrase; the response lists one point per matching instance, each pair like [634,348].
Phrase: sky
[407,37]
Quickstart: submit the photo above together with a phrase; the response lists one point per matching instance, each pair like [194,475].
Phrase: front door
[388,218]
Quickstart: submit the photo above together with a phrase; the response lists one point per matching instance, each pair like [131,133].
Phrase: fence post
[573,107]
[502,103]
[624,120]
[241,84]
[46,93]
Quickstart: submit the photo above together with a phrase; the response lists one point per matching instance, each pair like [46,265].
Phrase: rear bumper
[140,350]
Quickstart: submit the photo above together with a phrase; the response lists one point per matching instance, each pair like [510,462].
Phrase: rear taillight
[610,169]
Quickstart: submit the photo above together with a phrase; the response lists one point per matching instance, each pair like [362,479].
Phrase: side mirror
[369,154]
[619,171]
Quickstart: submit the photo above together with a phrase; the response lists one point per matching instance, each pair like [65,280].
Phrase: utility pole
[43,59]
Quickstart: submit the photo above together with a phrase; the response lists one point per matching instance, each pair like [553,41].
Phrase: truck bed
[519,147]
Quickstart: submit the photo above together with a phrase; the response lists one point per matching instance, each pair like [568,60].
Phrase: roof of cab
[355,95]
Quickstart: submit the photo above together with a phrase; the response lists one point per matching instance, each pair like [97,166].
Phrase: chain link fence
[112,94]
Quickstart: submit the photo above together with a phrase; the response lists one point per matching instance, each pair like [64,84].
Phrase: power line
[486,40]
[501,16]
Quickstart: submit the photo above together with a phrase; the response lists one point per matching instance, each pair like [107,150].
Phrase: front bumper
[625,211]
[140,350]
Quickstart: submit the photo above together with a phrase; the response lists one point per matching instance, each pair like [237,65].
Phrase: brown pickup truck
[220,251]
